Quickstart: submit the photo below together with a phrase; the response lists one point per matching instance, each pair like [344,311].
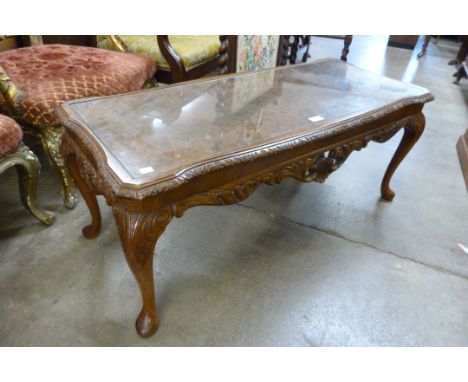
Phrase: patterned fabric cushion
[193,50]
[11,135]
[48,75]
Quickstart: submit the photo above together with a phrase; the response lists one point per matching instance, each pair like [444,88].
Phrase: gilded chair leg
[27,166]
[150,83]
[413,131]
[50,138]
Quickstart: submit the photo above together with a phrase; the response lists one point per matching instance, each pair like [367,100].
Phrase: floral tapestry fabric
[48,75]
[193,50]
[256,52]
[11,135]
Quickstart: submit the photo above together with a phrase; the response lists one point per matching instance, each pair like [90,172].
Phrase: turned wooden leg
[348,39]
[139,232]
[28,167]
[50,139]
[412,132]
[306,43]
[92,230]
[294,50]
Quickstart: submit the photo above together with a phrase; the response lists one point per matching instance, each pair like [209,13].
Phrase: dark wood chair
[347,40]
[178,58]
[292,49]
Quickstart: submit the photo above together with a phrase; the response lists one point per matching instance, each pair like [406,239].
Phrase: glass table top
[160,132]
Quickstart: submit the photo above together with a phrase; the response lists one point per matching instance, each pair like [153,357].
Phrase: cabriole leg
[413,131]
[27,166]
[139,233]
[92,230]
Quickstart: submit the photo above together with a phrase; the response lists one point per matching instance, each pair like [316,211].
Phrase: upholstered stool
[14,153]
[36,79]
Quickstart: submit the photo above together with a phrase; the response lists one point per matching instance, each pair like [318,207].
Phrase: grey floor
[296,264]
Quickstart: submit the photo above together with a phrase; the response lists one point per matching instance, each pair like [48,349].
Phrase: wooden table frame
[142,213]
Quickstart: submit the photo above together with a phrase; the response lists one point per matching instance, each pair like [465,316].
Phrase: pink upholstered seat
[11,135]
[47,75]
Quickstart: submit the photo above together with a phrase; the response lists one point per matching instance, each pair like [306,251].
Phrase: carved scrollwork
[315,167]
[239,191]
[138,233]
[90,175]
[28,154]
[51,138]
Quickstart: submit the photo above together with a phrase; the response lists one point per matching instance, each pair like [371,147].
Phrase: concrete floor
[296,264]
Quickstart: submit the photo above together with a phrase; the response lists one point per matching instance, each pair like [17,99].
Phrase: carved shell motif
[139,232]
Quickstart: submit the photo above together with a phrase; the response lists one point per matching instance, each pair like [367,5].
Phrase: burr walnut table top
[162,137]
[154,154]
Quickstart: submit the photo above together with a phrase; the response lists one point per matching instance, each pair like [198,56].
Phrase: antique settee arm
[178,70]
[118,44]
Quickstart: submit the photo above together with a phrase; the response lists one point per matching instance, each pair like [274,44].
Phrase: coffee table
[153,154]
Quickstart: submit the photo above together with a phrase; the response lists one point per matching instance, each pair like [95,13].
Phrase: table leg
[424,47]
[462,53]
[139,232]
[92,230]
[306,42]
[458,75]
[348,39]
[294,49]
[413,131]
